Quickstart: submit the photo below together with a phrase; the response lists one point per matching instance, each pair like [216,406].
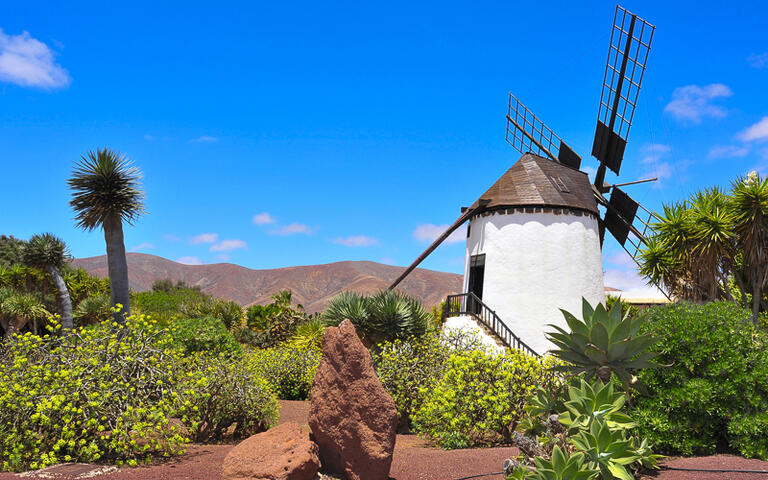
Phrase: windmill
[534,238]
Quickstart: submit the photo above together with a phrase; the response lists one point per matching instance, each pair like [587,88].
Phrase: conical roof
[539,182]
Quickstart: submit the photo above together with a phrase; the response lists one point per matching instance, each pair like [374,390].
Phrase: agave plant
[606,450]
[588,403]
[602,344]
[564,467]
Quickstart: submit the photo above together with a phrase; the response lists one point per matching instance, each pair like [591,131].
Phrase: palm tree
[749,204]
[48,252]
[106,191]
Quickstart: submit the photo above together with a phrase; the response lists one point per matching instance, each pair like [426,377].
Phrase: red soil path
[414,459]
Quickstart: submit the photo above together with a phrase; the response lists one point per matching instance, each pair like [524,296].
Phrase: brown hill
[312,285]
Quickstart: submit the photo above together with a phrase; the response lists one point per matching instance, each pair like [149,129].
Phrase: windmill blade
[627,220]
[630,44]
[526,133]
[459,222]
[620,214]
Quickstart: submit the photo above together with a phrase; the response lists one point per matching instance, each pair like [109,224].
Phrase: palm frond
[44,250]
[105,187]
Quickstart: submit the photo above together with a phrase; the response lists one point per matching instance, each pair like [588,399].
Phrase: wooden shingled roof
[540,182]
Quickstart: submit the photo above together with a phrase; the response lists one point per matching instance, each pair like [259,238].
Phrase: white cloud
[204,238]
[631,284]
[756,132]
[228,245]
[149,138]
[428,233]
[223,257]
[619,258]
[293,229]
[694,102]
[142,246]
[654,167]
[29,62]
[758,60]
[728,151]
[189,261]
[356,241]
[657,149]
[204,139]
[263,218]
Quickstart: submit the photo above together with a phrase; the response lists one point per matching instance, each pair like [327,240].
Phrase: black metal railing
[470,304]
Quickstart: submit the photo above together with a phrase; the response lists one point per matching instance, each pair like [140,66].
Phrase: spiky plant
[19,309]
[346,306]
[93,309]
[106,191]
[309,334]
[386,315]
[602,343]
[48,252]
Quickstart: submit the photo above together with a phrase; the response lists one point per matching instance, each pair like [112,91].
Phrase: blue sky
[288,133]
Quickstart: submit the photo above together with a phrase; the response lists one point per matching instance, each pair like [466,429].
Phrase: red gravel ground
[414,459]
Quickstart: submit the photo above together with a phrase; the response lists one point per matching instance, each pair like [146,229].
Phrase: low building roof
[539,182]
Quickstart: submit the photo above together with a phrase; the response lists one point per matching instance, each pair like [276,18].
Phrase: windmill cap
[534,181]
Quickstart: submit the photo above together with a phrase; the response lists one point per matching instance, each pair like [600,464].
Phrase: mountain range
[312,285]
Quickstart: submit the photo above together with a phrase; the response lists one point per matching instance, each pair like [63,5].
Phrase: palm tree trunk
[117,268]
[64,300]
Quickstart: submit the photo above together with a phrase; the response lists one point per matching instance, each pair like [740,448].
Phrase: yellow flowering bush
[220,396]
[289,368]
[117,394]
[409,368]
[480,398]
[91,395]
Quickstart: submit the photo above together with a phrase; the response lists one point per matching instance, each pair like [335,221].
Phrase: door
[476,274]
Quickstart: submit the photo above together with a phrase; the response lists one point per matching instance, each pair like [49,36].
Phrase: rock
[352,418]
[282,453]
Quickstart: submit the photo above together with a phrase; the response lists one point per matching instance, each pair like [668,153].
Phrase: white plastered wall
[536,264]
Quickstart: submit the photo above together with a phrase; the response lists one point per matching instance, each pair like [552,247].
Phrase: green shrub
[714,395]
[168,304]
[409,369]
[206,335]
[221,396]
[274,323]
[230,313]
[88,396]
[288,368]
[479,400]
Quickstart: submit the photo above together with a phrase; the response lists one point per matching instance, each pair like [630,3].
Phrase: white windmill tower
[534,237]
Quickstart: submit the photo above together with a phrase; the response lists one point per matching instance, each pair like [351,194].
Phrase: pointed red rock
[352,418]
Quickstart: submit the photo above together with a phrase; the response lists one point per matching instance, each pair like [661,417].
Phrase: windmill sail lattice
[630,44]
[527,133]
